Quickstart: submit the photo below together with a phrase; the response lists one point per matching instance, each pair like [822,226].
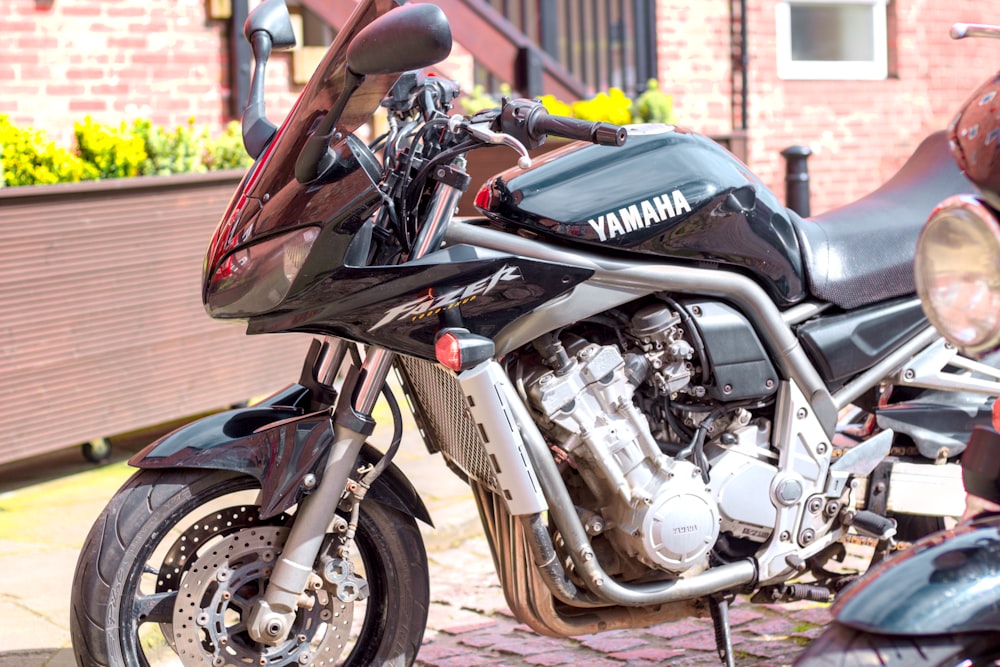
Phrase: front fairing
[948,582]
[270,201]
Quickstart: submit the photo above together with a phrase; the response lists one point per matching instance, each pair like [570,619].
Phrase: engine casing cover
[677,529]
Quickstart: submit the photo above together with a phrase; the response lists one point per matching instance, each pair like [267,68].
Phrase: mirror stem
[257,129]
[316,157]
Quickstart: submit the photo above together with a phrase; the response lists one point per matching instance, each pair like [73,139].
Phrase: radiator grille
[439,404]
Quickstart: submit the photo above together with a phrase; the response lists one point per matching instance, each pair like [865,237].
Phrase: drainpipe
[744,67]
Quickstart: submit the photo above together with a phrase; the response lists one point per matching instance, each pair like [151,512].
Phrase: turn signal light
[996,415]
[459,349]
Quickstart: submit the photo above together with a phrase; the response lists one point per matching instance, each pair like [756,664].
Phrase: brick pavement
[470,625]
[47,508]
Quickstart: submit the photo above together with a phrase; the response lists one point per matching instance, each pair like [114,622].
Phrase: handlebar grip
[598,132]
[607,134]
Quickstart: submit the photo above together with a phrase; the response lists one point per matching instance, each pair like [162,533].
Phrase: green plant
[29,158]
[116,152]
[610,107]
[479,100]
[555,107]
[653,105]
[226,151]
[177,151]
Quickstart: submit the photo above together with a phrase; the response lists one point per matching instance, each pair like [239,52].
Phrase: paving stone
[773,627]
[612,644]
[741,615]
[475,627]
[522,646]
[702,641]
[680,628]
[553,659]
[660,656]
[430,653]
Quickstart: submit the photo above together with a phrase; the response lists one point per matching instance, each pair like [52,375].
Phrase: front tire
[171,530]
[841,646]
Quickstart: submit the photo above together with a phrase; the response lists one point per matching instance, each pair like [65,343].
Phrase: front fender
[948,582]
[278,445]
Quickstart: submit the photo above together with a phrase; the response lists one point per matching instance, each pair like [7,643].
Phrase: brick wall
[117,59]
[860,131]
[166,60]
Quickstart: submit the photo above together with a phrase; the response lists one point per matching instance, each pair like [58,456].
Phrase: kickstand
[719,608]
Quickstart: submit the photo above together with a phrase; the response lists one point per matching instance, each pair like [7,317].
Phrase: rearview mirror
[409,37]
[271,17]
[268,27]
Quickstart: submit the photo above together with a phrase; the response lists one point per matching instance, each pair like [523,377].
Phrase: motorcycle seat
[862,253]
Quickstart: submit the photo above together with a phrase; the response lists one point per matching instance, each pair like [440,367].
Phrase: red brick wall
[693,47]
[860,131]
[116,59]
[164,59]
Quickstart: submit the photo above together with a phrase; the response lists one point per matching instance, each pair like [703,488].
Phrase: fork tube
[440,212]
[271,617]
[330,360]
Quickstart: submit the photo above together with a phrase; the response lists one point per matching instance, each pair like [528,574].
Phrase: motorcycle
[663,387]
[937,602]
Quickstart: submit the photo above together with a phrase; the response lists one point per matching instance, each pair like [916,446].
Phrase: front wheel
[174,563]
[841,646]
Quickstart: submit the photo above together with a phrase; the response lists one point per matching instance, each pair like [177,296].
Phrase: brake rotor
[215,598]
[222,522]
[185,547]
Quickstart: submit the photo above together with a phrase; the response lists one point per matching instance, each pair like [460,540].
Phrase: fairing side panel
[843,345]
[403,307]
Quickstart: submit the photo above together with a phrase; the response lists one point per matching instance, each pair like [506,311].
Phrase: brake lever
[482,133]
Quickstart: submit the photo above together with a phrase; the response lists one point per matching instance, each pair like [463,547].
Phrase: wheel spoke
[156,608]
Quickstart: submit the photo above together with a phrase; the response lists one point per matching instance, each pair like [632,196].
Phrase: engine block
[656,508]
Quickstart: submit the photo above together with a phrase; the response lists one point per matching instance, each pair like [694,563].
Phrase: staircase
[504,51]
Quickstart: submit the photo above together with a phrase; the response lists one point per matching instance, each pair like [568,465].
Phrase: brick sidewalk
[470,625]
[46,512]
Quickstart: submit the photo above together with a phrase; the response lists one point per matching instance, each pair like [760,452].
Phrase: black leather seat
[862,253]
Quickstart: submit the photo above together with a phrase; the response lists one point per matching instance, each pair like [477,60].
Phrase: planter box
[102,330]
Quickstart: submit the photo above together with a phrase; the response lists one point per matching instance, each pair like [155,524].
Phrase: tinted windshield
[276,175]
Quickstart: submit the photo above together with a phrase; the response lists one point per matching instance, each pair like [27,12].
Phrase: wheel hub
[217,592]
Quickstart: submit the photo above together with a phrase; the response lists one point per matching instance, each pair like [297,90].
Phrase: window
[832,39]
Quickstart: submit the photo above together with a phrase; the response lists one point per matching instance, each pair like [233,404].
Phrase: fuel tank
[667,192]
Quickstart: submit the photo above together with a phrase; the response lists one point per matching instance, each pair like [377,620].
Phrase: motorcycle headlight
[957,274]
[254,279]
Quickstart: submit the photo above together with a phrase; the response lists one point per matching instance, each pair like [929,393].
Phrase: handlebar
[530,122]
[604,134]
[963,30]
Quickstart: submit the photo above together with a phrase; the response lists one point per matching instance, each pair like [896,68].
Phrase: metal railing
[603,43]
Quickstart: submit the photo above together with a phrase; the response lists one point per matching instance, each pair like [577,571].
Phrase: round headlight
[957,273]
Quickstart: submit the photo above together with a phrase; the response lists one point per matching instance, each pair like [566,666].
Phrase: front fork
[271,616]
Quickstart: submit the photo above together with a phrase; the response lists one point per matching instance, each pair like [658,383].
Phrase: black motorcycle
[938,603]
[663,387]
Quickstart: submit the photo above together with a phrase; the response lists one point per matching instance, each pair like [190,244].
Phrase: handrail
[493,41]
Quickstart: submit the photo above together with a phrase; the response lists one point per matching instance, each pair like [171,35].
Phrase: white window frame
[878,68]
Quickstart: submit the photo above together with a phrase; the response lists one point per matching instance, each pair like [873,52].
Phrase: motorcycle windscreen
[271,200]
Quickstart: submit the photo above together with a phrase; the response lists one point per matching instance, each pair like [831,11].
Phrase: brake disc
[185,547]
[214,601]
